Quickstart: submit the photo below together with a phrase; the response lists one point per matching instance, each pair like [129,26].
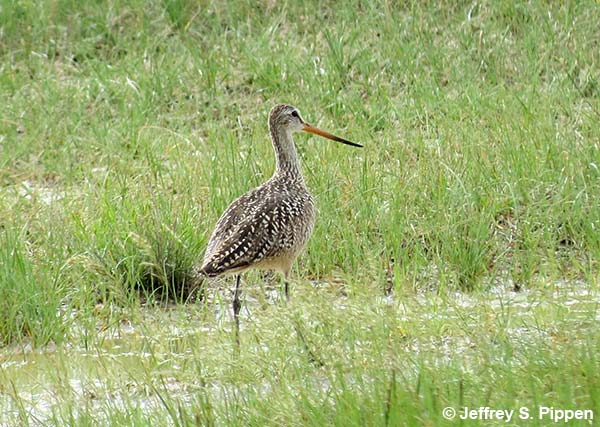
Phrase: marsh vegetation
[455,257]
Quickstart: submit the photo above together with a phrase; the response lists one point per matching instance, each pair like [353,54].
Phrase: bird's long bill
[317,131]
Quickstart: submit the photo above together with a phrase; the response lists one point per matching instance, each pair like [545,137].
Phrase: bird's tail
[207,270]
[197,281]
[198,275]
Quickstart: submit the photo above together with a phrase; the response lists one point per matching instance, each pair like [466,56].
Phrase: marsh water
[140,362]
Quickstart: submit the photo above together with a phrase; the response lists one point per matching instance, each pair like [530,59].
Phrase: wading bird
[267,227]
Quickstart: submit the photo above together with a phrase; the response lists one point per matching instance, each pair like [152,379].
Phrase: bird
[267,227]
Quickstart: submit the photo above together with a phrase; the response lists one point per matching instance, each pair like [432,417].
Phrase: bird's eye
[294,113]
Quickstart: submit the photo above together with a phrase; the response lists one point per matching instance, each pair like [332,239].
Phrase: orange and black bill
[311,129]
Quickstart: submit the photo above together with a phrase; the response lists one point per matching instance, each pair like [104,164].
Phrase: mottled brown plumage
[267,227]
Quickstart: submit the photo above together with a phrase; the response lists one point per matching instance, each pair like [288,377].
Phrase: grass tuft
[30,297]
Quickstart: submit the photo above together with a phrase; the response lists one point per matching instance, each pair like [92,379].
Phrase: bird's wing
[247,242]
[230,220]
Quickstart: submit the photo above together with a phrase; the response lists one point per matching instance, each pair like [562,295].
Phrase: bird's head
[288,118]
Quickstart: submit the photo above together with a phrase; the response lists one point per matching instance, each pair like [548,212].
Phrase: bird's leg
[286,285]
[236,309]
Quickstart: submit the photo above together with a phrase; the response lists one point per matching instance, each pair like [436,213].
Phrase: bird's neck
[286,155]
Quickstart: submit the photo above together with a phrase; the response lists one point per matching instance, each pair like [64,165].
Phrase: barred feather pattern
[265,228]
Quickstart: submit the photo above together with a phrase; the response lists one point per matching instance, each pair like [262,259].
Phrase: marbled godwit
[267,227]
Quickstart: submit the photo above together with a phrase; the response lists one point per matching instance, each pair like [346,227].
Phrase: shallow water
[135,364]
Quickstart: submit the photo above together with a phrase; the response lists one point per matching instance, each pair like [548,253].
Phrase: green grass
[127,127]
